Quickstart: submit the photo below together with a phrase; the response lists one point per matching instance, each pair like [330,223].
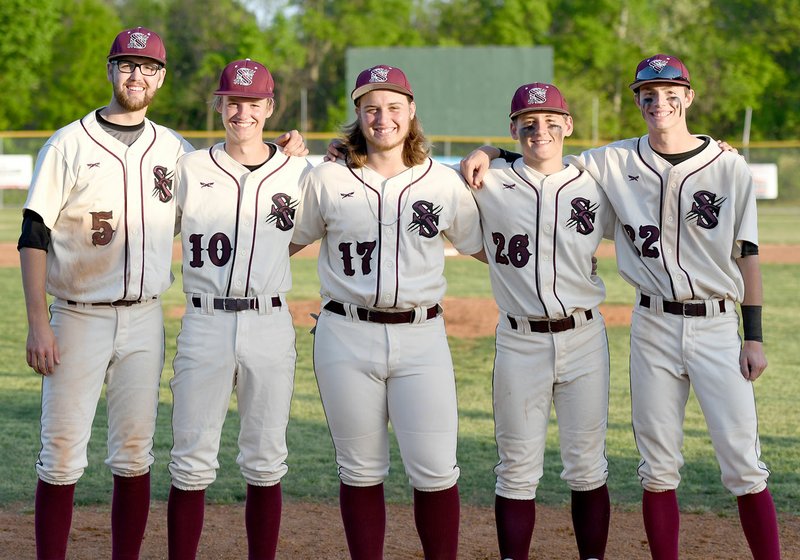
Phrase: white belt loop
[580,316]
[264,304]
[523,323]
[420,315]
[352,311]
[657,305]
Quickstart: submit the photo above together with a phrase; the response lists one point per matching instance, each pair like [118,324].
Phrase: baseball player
[380,350]
[688,243]
[97,235]
[236,206]
[542,223]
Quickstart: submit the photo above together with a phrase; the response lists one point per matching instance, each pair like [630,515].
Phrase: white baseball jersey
[683,224]
[383,242]
[110,209]
[235,224]
[540,232]
[681,229]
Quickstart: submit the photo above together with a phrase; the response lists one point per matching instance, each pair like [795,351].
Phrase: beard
[121,95]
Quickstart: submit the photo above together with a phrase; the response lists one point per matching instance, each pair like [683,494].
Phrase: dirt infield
[313,531]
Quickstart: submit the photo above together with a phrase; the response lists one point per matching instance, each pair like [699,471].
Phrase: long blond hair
[354,144]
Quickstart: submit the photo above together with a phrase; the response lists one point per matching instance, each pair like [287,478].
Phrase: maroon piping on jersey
[536,245]
[660,214]
[125,199]
[256,221]
[555,241]
[236,222]
[380,231]
[680,213]
[141,202]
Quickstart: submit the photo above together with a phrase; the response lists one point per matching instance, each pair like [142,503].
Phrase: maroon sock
[262,518]
[364,518]
[662,522]
[52,519]
[130,505]
[515,520]
[436,515]
[185,511]
[760,524]
[591,514]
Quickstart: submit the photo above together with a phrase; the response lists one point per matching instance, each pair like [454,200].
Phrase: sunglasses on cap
[649,73]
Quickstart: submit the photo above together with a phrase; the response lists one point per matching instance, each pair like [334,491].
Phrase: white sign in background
[765,177]
[15,171]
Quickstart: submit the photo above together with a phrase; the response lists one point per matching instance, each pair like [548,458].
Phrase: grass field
[312,473]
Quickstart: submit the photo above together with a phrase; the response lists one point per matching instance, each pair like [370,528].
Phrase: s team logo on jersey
[705,209]
[347,194]
[537,96]
[582,215]
[208,185]
[93,165]
[379,75]
[426,218]
[244,76]
[282,212]
[510,186]
[633,178]
[163,183]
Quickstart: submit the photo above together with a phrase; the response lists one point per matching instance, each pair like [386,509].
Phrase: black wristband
[751,322]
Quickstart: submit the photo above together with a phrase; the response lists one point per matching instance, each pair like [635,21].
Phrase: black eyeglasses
[666,73]
[146,68]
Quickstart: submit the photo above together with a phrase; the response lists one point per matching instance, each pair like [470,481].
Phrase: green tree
[25,49]
[76,79]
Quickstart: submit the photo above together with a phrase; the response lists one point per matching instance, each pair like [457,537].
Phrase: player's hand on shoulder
[752,359]
[42,350]
[292,143]
[475,165]
[725,147]
[335,150]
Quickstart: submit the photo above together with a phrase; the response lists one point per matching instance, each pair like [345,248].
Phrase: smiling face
[385,118]
[134,91]
[244,118]
[541,136]
[663,105]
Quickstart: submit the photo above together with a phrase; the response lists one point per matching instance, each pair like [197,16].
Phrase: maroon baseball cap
[661,68]
[538,96]
[381,77]
[246,78]
[138,41]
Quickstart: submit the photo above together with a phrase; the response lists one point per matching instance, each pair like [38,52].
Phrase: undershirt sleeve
[34,234]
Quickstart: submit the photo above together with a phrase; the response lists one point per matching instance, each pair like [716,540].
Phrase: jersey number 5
[103,232]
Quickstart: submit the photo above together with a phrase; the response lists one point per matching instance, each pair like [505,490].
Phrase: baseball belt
[235,304]
[680,308]
[551,325]
[384,317]
[118,303]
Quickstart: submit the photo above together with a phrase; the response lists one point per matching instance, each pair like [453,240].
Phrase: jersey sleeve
[309,225]
[746,208]
[465,231]
[52,179]
[590,161]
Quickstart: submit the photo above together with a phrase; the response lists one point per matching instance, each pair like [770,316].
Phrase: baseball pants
[670,354]
[532,373]
[122,347]
[250,352]
[370,374]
